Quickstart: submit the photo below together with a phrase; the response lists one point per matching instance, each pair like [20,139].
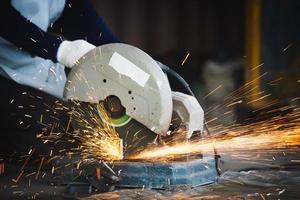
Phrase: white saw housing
[130,74]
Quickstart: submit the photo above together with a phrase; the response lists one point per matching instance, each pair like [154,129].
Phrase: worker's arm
[26,35]
[79,20]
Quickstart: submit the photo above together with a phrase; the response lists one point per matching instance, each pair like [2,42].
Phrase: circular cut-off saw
[127,89]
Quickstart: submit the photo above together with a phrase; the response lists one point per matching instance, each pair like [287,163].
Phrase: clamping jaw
[189,111]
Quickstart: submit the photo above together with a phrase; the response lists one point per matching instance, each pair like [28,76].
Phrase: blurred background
[217,46]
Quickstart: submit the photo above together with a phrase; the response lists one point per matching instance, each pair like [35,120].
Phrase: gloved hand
[69,52]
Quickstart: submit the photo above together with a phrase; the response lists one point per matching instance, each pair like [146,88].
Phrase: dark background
[168,30]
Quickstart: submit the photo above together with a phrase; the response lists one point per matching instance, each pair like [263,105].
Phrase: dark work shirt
[79,20]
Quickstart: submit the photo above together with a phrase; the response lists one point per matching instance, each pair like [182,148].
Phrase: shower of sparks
[278,133]
[89,135]
[96,139]
[273,135]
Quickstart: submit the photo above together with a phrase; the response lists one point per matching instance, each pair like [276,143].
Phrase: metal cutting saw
[134,91]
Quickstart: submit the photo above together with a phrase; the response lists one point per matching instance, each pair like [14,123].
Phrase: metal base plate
[184,172]
[163,175]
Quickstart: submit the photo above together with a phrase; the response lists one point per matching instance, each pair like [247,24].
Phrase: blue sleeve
[25,35]
[81,21]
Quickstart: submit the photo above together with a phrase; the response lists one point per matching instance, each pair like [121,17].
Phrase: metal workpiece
[189,172]
[186,171]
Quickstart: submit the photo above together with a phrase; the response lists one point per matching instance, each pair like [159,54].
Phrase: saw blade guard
[127,81]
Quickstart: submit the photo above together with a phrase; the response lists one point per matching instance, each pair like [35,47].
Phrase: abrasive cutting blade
[135,136]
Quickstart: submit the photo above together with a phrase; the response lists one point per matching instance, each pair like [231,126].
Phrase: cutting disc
[123,87]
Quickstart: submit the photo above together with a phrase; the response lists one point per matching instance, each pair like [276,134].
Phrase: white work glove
[69,52]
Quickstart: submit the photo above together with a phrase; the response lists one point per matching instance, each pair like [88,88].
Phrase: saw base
[166,174]
[185,171]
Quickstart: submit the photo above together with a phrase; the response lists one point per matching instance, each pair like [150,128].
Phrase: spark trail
[278,134]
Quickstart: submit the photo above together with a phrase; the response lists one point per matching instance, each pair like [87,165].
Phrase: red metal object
[2,167]
[98,173]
